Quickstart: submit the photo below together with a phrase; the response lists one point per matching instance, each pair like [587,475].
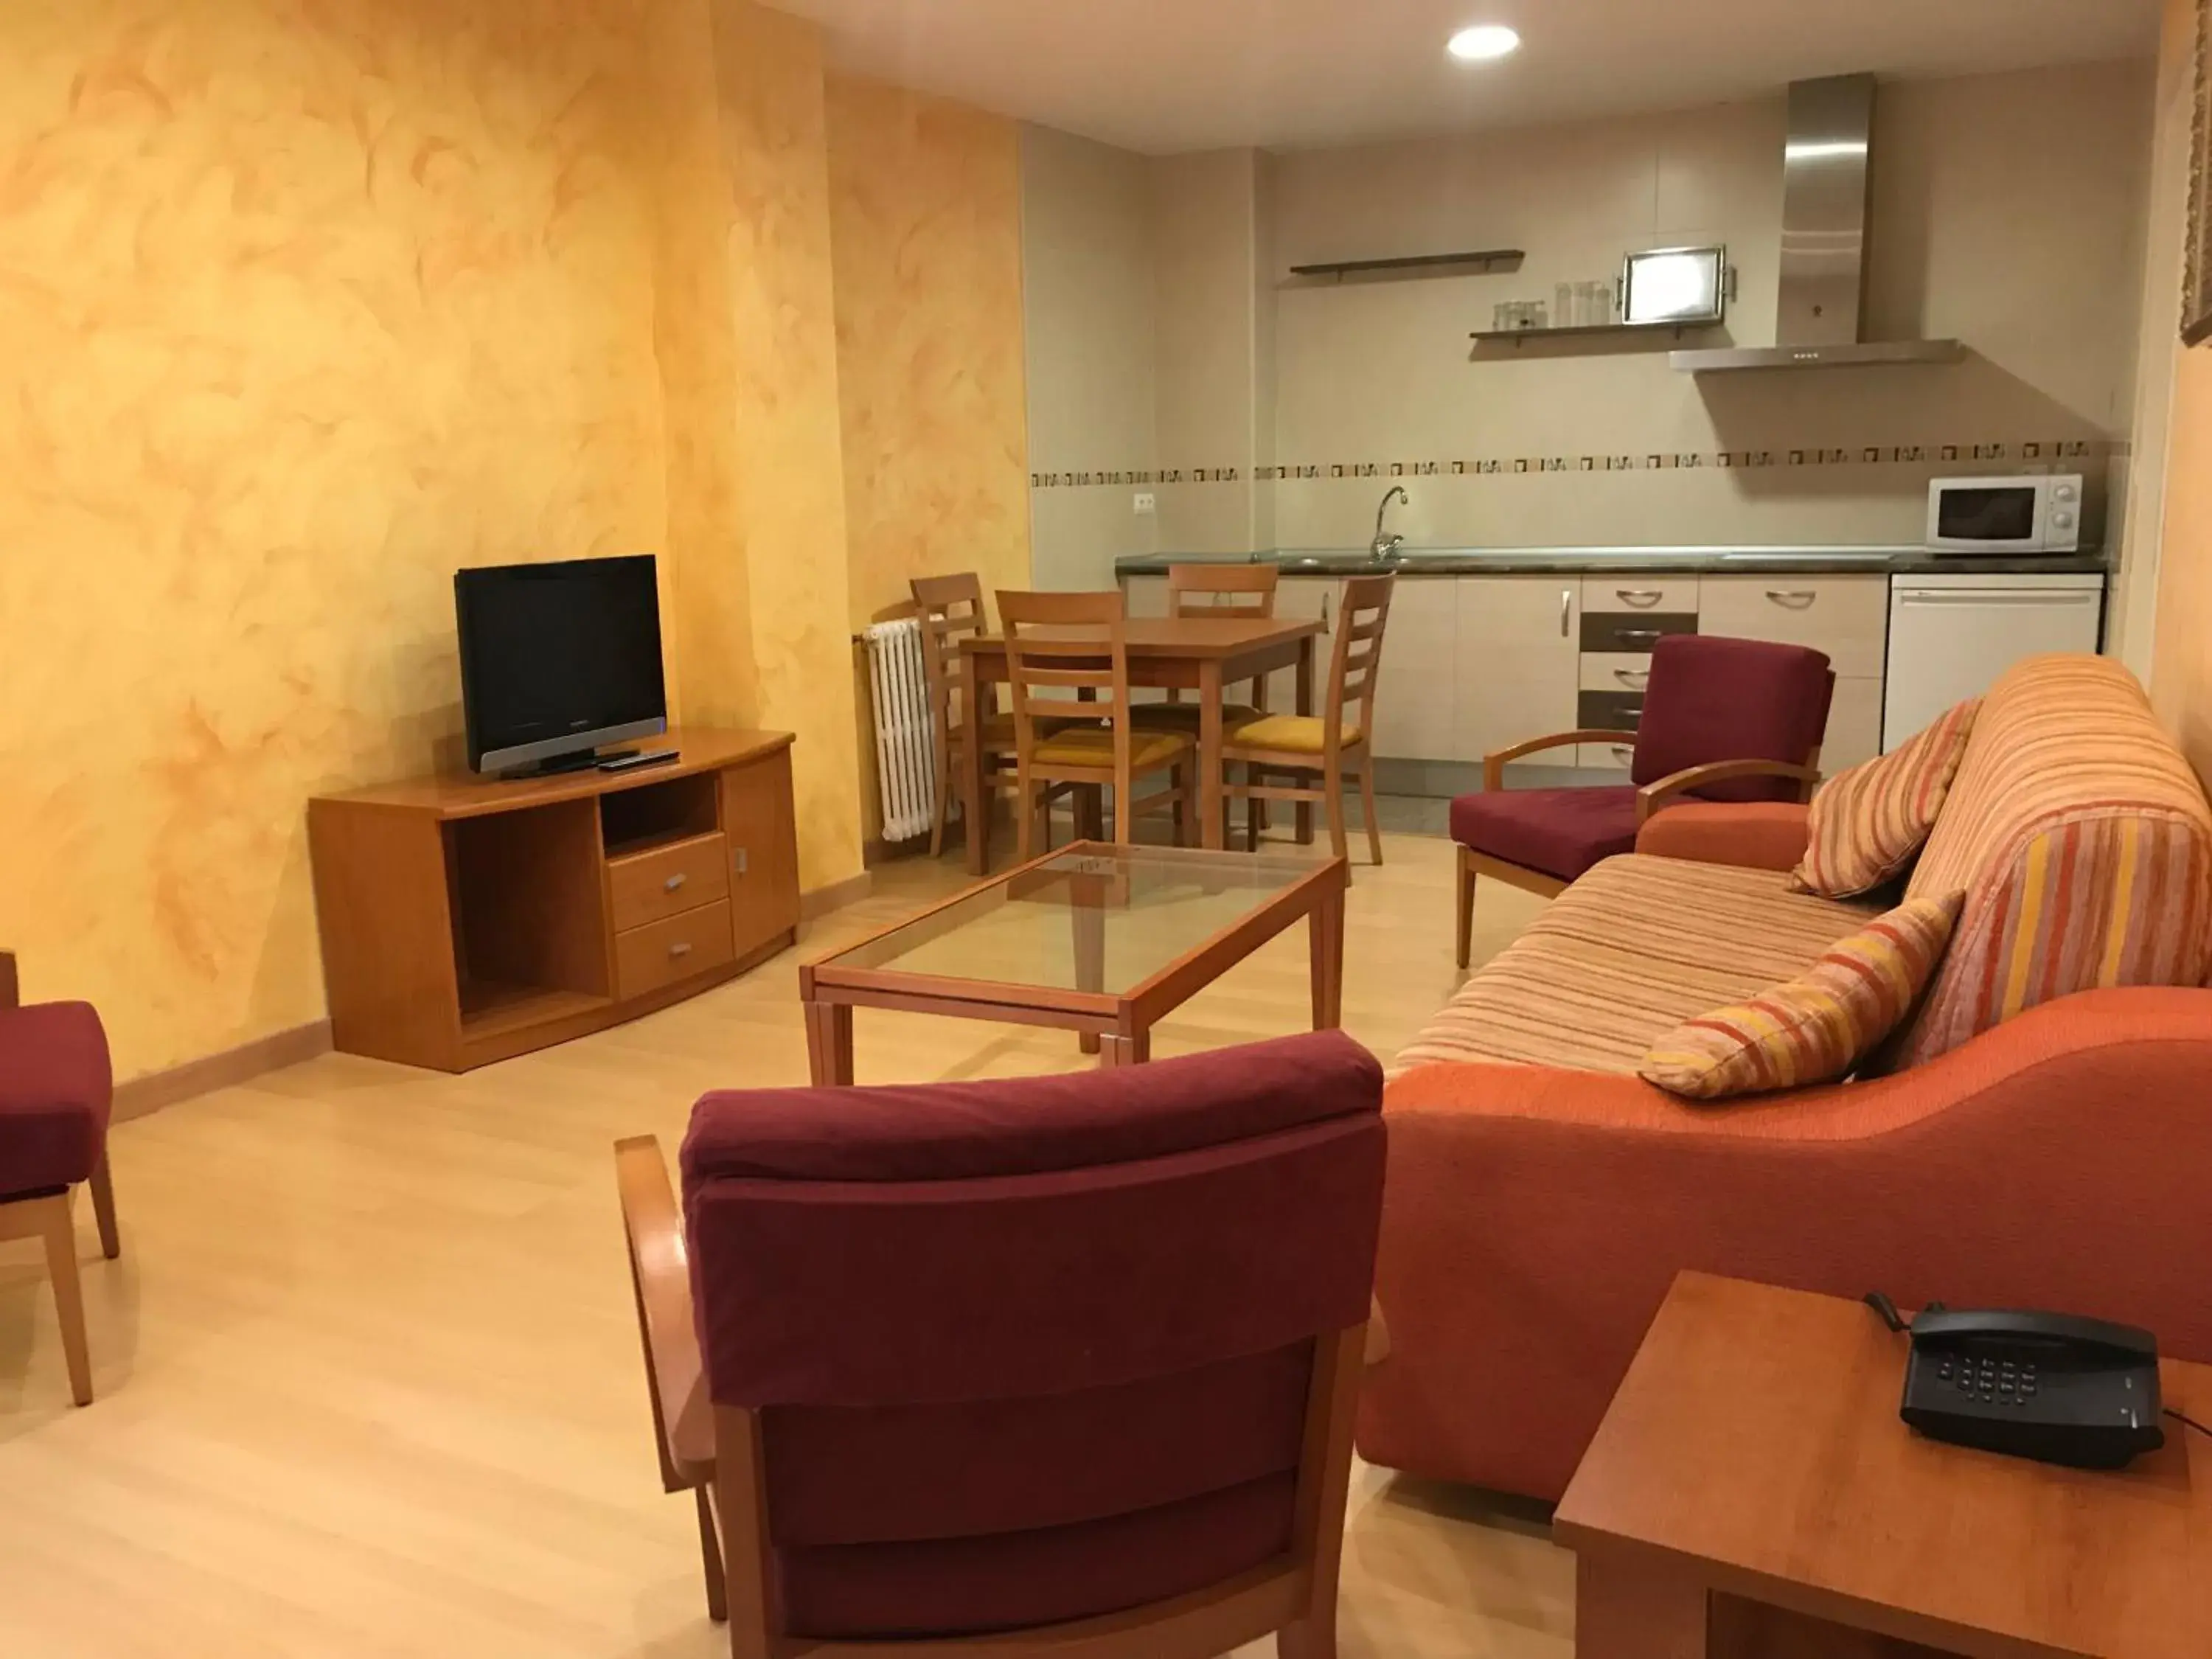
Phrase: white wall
[1087,259]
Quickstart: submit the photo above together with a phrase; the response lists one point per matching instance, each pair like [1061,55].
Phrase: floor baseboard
[813,906]
[143,1095]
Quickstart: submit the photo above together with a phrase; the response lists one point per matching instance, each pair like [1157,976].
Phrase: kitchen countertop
[1680,561]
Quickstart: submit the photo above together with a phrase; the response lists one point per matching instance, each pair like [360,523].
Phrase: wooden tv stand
[465,920]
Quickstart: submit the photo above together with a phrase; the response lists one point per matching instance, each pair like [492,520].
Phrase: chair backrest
[1356,660]
[1045,670]
[1215,590]
[2083,842]
[990,1355]
[1712,699]
[950,609]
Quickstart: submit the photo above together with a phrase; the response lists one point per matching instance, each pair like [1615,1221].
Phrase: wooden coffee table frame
[1119,1025]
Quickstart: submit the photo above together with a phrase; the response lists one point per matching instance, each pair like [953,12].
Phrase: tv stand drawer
[662,953]
[647,887]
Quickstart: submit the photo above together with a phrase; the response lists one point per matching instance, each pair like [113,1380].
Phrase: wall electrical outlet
[1147,503]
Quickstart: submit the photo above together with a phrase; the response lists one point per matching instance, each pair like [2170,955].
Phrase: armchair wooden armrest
[1493,766]
[1653,796]
[10,995]
[660,1276]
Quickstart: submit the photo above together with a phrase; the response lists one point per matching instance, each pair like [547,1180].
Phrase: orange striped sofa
[2040,1134]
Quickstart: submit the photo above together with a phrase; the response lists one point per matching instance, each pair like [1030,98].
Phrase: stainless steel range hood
[1826,167]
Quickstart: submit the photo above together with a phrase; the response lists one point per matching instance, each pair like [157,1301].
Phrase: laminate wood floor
[368,1377]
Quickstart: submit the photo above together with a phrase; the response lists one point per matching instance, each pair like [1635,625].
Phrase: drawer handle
[674,881]
[1635,633]
[1635,713]
[1566,610]
[1636,679]
[1623,753]
[681,949]
[1795,598]
[1641,598]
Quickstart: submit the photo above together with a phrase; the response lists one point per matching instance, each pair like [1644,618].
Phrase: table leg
[1325,937]
[830,1043]
[1086,913]
[1116,1050]
[1210,817]
[1631,1609]
[1304,815]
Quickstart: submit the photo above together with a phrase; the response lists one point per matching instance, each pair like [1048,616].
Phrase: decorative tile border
[2066,449]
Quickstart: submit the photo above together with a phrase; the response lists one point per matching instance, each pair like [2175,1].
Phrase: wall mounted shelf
[1523,336]
[1422,264]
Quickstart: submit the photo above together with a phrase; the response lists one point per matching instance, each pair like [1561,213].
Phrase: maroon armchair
[55,1087]
[1723,720]
[1058,1365]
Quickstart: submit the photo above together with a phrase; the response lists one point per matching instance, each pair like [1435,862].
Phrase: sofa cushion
[1869,823]
[1814,1028]
[1560,832]
[2084,844]
[1630,951]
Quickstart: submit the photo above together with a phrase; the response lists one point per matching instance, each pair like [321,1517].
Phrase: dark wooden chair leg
[710,1551]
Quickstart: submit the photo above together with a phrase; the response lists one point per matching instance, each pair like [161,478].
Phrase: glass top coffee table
[1103,941]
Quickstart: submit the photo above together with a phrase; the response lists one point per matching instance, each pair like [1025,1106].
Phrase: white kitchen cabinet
[1846,616]
[1146,596]
[1416,696]
[1854,724]
[1520,657]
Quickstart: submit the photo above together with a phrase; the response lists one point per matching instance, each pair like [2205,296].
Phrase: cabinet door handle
[674,881]
[1641,598]
[1635,713]
[1566,610]
[1636,679]
[681,949]
[1623,753]
[742,860]
[1795,598]
[1635,633]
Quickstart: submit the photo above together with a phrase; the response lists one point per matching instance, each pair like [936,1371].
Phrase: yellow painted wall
[926,216]
[305,303]
[2181,679]
[302,306]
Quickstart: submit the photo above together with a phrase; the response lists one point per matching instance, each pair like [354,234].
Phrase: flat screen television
[557,659]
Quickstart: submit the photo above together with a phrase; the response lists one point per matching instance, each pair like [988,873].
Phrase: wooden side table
[1752,1494]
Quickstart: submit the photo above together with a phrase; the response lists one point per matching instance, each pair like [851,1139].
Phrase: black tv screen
[558,658]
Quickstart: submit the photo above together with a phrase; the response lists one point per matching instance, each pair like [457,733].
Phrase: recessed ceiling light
[1483,42]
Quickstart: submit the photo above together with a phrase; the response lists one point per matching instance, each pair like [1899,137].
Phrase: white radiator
[905,738]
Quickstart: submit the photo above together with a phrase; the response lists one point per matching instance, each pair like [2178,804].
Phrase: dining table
[1200,654]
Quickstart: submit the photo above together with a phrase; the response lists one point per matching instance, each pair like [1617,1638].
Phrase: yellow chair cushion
[1288,734]
[1093,745]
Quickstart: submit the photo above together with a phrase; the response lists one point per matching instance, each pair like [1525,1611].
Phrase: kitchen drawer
[1615,758]
[668,880]
[1846,616]
[1610,711]
[1616,671]
[663,952]
[1676,594]
[1634,632]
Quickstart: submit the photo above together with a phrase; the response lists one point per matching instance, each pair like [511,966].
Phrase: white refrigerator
[1950,636]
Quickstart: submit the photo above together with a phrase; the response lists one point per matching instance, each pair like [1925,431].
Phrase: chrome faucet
[1384,548]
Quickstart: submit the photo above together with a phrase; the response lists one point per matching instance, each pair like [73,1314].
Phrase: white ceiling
[1171,75]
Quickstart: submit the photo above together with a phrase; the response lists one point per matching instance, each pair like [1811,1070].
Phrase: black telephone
[2051,1387]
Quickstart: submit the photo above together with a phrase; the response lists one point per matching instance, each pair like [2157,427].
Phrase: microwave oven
[2039,514]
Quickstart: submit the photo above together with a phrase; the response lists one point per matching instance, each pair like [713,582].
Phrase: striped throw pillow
[1817,1027]
[1872,821]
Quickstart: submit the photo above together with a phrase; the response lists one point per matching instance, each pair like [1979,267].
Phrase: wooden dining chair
[1216,590]
[950,609]
[1300,746]
[1095,743]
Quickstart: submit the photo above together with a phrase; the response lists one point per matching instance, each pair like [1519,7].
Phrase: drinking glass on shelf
[1538,317]
[1563,306]
[1501,317]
